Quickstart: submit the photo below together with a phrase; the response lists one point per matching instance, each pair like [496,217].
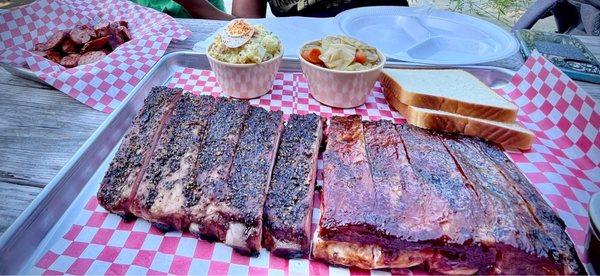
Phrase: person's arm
[203,9]
[249,8]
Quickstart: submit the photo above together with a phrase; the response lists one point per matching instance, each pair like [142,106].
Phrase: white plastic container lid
[428,36]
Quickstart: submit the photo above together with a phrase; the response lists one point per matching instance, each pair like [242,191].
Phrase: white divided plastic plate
[428,36]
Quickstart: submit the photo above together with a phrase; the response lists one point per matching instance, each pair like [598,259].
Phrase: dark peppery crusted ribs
[121,180]
[235,215]
[213,167]
[161,193]
[249,179]
[449,204]
[288,207]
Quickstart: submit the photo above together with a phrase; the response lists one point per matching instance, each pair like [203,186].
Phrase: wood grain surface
[41,128]
[14,198]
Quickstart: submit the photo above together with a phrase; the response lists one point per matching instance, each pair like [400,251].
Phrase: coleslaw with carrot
[341,53]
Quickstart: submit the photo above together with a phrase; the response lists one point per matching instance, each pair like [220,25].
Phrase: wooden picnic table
[41,128]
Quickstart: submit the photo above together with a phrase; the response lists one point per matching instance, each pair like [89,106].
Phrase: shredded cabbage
[337,56]
[338,52]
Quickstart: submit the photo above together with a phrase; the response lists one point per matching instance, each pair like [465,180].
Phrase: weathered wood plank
[40,129]
[8,79]
[14,199]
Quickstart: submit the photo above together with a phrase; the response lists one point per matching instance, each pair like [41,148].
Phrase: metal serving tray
[54,210]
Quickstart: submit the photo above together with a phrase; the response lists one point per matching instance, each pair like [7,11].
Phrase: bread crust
[445,104]
[509,138]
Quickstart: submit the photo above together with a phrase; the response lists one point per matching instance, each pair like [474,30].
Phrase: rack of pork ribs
[393,196]
[205,164]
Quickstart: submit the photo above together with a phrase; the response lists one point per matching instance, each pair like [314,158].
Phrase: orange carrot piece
[360,57]
[312,56]
[305,55]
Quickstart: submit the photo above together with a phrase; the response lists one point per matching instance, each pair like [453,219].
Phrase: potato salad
[243,43]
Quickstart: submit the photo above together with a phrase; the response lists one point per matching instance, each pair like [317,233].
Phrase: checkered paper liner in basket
[562,165]
[104,84]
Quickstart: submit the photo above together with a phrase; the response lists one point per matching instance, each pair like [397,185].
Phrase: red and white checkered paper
[104,84]
[563,165]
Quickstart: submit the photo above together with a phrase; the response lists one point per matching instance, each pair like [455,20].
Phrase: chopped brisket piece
[124,174]
[102,29]
[91,57]
[53,55]
[171,170]
[289,204]
[53,42]
[69,47]
[94,45]
[70,61]
[82,34]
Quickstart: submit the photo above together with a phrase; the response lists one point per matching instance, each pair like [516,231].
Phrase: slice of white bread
[509,135]
[451,90]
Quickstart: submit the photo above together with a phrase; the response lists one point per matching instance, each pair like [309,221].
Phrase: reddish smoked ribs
[397,196]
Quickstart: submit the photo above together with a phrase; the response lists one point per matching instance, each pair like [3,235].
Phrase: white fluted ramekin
[245,81]
[343,89]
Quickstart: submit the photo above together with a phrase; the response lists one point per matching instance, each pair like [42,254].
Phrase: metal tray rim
[28,74]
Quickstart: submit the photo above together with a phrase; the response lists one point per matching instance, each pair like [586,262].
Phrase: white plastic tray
[428,36]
